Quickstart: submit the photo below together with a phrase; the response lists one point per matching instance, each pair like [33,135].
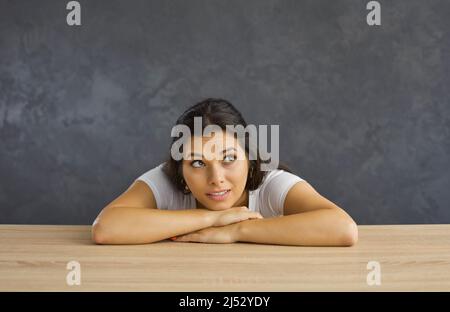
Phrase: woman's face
[216,179]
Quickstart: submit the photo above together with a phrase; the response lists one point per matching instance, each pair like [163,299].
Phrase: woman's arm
[322,227]
[309,220]
[133,218]
[136,225]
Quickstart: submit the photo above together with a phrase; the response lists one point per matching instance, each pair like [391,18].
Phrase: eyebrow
[223,152]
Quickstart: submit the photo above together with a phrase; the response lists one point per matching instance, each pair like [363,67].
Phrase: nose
[215,175]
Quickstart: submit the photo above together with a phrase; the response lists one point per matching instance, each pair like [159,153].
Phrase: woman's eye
[197,164]
[229,158]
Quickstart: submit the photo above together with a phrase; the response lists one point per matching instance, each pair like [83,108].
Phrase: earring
[186,188]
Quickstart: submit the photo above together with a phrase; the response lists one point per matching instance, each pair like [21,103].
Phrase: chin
[219,206]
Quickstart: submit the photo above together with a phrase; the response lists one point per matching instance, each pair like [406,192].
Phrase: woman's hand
[234,215]
[212,235]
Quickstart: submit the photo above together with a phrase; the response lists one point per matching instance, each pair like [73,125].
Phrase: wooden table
[411,258]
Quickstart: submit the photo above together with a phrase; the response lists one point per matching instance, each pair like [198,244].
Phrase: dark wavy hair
[215,111]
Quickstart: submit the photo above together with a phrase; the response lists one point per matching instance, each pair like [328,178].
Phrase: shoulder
[160,184]
[273,190]
[279,179]
[303,197]
[154,173]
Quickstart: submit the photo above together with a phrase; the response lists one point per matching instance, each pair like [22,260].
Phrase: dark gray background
[363,111]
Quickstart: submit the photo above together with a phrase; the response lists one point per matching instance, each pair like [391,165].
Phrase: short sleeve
[162,188]
[274,190]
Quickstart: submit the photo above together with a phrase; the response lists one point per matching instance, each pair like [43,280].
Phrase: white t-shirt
[267,199]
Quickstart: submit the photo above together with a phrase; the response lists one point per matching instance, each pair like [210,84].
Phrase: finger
[197,238]
[183,238]
[256,215]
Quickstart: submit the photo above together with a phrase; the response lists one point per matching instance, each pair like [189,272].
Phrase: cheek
[239,176]
[194,179]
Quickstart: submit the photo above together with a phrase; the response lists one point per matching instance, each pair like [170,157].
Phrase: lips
[221,192]
[219,195]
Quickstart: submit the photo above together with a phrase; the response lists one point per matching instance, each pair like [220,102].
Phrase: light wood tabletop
[386,258]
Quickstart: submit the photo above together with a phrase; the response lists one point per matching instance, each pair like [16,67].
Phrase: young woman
[222,196]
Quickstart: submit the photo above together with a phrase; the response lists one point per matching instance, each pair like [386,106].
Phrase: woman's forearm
[322,227]
[129,225]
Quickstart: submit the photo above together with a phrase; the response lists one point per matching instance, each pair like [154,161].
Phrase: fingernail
[173,238]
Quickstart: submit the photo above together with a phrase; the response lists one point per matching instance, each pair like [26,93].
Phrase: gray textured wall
[363,111]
